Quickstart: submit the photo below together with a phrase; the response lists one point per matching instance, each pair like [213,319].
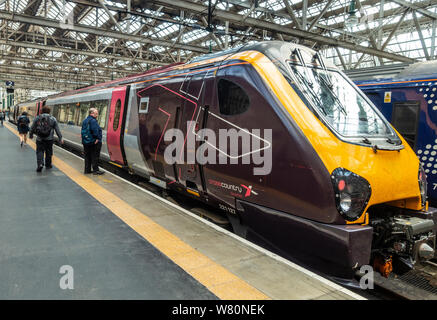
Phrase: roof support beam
[236,18]
[360,59]
[291,13]
[370,36]
[77,52]
[433,54]
[304,14]
[419,31]
[51,74]
[392,33]
[316,20]
[416,8]
[341,58]
[63,64]
[110,16]
[91,30]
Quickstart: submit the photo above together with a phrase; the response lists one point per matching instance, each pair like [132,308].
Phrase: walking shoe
[87,172]
[98,172]
[21,144]
[39,169]
[49,166]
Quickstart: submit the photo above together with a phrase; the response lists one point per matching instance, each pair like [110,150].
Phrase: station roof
[65,44]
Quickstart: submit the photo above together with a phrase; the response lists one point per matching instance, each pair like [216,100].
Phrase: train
[305,164]
[409,101]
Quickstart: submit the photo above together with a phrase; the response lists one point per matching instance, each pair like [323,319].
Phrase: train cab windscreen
[337,103]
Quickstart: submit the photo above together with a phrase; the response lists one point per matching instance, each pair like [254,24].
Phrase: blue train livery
[409,101]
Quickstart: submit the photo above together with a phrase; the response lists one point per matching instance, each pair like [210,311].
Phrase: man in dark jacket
[44,126]
[2,116]
[92,142]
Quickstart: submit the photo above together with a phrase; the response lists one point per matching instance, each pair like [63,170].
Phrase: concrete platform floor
[135,247]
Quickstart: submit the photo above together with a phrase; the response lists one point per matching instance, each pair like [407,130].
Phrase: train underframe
[395,239]
[401,238]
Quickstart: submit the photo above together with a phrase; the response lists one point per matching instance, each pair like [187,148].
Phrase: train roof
[274,50]
[419,70]
[417,73]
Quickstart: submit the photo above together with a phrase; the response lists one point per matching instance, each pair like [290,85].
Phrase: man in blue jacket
[92,142]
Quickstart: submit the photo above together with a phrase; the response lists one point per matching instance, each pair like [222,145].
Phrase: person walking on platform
[2,117]
[44,126]
[23,127]
[92,142]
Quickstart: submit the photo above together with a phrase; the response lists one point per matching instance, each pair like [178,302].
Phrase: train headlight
[345,201]
[352,193]
[422,185]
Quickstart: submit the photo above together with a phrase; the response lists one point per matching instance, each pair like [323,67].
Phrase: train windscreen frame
[339,105]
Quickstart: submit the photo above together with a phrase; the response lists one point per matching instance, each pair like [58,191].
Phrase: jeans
[44,146]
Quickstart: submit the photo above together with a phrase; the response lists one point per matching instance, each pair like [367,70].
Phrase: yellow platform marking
[218,280]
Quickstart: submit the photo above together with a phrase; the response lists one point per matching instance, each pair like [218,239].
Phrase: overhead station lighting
[351,18]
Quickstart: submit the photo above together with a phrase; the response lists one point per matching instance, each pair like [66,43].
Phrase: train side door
[115,129]
[158,112]
[193,119]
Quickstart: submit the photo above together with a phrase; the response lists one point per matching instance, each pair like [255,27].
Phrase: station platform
[122,242]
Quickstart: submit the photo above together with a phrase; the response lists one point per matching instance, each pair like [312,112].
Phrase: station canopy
[67,44]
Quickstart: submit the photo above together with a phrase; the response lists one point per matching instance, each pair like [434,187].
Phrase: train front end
[376,178]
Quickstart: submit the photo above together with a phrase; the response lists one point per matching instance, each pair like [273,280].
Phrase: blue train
[409,101]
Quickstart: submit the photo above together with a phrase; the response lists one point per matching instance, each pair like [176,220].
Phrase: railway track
[418,284]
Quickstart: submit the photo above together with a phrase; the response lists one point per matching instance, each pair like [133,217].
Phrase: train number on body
[226,208]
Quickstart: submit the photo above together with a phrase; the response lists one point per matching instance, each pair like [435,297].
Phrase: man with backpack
[92,142]
[44,126]
[2,116]
[23,127]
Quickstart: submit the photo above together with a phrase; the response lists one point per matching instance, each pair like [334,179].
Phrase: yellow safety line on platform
[221,282]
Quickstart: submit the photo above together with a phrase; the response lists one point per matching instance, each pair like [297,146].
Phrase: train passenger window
[62,115]
[144,105]
[71,114]
[84,112]
[405,119]
[102,118]
[55,111]
[117,115]
[232,98]
[76,114]
[67,113]
[102,107]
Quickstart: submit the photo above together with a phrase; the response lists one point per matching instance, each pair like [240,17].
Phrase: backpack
[87,137]
[22,122]
[43,127]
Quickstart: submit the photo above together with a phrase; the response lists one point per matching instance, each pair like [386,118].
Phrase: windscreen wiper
[328,83]
[322,64]
[302,62]
[367,141]
[311,91]
[396,143]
